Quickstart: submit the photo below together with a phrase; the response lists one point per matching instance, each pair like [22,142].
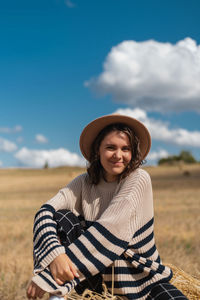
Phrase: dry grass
[177,218]
[22,192]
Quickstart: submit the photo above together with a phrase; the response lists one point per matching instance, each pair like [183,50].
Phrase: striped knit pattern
[121,234]
[46,245]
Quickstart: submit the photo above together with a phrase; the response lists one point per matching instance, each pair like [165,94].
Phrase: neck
[109,177]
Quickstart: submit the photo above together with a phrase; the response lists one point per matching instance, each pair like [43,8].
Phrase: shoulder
[139,175]
[139,179]
[82,179]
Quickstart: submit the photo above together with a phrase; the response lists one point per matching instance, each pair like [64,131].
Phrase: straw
[91,295]
[187,284]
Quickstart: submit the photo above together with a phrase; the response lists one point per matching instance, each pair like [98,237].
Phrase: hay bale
[91,295]
[187,284]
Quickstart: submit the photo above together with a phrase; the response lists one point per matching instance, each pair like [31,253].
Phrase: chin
[117,172]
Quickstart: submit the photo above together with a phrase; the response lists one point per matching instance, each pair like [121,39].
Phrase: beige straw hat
[91,131]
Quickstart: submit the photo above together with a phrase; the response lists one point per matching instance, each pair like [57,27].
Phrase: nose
[117,154]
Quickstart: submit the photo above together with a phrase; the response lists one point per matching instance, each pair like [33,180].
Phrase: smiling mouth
[117,163]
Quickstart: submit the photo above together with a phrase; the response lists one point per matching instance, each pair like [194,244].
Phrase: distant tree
[46,165]
[187,157]
[184,156]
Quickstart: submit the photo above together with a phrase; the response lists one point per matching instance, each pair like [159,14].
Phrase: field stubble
[22,192]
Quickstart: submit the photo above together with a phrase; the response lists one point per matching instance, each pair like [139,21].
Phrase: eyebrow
[109,144]
[128,145]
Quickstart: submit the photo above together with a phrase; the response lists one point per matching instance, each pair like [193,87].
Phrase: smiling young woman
[115,154]
[116,133]
[102,220]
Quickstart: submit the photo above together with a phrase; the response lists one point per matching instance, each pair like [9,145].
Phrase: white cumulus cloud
[41,139]
[152,75]
[156,155]
[15,129]
[161,131]
[7,146]
[54,158]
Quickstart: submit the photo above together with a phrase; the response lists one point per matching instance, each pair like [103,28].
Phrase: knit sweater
[121,235]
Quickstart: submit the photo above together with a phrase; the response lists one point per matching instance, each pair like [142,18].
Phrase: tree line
[184,156]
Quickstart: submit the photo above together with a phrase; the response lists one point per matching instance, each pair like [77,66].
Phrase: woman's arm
[46,244]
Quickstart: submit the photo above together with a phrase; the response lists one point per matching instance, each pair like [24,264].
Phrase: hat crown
[91,131]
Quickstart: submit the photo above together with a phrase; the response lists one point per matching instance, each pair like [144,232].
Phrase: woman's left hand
[33,291]
[63,269]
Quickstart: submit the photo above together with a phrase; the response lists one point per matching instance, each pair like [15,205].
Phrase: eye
[126,148]
[110,147]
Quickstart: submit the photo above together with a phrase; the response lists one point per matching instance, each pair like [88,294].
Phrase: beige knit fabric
[123,227]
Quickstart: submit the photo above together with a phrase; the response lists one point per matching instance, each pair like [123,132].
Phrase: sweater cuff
[52,255]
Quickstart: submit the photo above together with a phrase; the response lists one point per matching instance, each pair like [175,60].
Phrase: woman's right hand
[62,269]
[33,291]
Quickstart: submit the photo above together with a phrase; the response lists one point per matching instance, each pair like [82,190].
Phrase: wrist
[49,258]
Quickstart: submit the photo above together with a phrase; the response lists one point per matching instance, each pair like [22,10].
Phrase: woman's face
[115,154]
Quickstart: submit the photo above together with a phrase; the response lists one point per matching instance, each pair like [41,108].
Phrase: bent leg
[165,291]
[69,228]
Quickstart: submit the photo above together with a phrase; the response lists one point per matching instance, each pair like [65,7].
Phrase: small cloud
[70,4]
[156,155]
[20,139]
[1,164]
[18,128]
[7,146]
[41,139]
[161,131]
[152,75]
[15,129]
[54,158]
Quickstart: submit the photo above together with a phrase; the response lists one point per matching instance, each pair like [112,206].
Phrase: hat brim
[91,131]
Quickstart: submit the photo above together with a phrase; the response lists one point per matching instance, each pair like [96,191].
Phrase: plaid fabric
[165,291]
[69,228]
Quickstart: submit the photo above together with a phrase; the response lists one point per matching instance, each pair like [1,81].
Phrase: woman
[114,200]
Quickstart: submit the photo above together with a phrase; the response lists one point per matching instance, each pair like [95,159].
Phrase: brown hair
[95,169]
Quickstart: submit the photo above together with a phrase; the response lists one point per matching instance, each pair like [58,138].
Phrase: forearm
[96,249]
[46,244]
[92,252]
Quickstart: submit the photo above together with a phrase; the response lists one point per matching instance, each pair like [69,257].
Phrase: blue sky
[64,63]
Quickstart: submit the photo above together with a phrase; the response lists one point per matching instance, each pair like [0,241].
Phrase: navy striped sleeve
[95,249]
[46,244]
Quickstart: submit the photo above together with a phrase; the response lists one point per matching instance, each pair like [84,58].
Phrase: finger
[37,291]
[32,294]
[41,293]
[68,274]
[58,281]
[28,291]
[73,269]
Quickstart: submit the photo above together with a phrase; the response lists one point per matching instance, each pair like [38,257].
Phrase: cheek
[104,156]
[128,157]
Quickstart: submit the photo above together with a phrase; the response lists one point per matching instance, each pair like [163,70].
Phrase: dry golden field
[22,192]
